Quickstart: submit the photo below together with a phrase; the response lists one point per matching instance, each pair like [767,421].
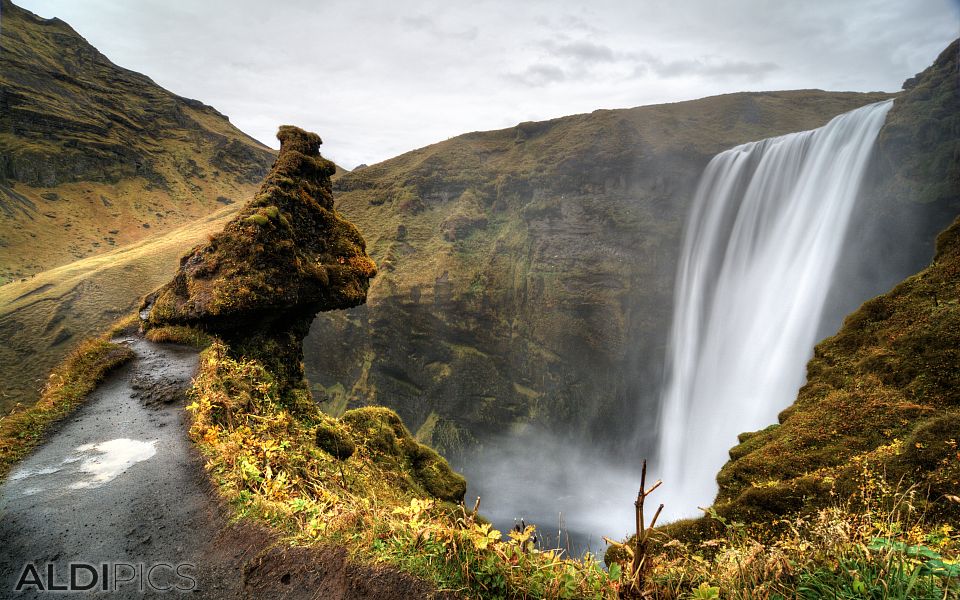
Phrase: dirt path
[119,484]
[116,484]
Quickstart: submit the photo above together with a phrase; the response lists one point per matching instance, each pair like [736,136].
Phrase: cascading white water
[763,238]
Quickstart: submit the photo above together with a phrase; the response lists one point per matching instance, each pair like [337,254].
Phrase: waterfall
[764,235]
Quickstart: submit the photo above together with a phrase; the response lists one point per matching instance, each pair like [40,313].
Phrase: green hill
[105,179]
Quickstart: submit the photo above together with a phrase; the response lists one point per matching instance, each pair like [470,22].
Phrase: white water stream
[761,244]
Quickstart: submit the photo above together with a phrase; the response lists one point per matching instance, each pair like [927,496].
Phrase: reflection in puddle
[112,459]
[98,463]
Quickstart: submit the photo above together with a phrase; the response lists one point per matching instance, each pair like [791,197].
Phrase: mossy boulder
[436,476]
[335,441]
[381,431]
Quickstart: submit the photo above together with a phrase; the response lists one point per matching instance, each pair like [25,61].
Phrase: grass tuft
[877,544]
[179,334]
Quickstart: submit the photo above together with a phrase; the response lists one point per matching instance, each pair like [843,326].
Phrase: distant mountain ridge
[93,155]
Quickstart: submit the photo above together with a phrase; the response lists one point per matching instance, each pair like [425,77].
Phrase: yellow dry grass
[42,319]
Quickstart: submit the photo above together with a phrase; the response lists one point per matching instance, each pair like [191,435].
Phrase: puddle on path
[92,465]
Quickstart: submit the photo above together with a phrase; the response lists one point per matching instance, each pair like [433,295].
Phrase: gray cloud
[712,67]
[581,51]
[538,75]
[428,25]
[569,59]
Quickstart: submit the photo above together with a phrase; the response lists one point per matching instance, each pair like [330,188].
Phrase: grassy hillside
[93,156]
[526,273]
[885,389]
[43,318]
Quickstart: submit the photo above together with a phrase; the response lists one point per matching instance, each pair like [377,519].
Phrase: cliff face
[285,257]
[93,155]
[527,274]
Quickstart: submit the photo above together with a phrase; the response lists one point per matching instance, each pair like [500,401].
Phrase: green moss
[335,441]
[258,219]
[436,476]
[382,430]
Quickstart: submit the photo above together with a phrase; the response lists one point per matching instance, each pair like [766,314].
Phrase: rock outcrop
[285,257]
[257,286]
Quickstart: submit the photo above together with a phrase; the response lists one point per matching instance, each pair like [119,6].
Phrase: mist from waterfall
[761,244]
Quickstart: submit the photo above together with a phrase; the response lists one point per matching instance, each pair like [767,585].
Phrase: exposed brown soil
[310,573]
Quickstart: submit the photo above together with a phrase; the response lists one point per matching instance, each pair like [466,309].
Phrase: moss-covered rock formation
[285,257]
[257,286]
[381,429]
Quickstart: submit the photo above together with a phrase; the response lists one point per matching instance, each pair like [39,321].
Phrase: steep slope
[44,317]
[94,156]
[526,273]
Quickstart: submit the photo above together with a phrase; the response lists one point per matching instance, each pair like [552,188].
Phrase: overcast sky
[378,78]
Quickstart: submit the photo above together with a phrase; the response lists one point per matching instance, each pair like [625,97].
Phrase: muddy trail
[119,492]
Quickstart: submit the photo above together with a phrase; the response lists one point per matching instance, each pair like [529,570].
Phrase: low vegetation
[179,334]
[878,544]
[363,482]
[67,387]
